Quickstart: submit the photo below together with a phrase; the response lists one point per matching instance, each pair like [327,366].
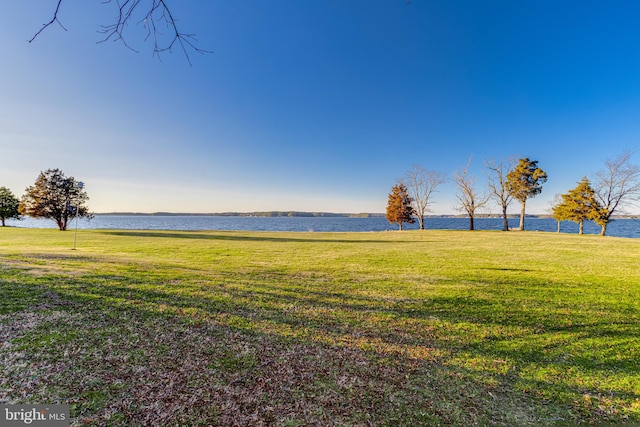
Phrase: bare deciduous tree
[469,198]
[154,15]
[497,183]
[617,186]
[422,183]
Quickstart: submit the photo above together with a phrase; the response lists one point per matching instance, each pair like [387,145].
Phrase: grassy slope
[238,328]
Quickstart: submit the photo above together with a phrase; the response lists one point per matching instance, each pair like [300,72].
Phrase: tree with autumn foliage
[8,205]
[399,209]
[525,181]
[580,204]
[57,197]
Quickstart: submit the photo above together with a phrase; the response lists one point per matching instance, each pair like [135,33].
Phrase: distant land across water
[274,214]
[253,214]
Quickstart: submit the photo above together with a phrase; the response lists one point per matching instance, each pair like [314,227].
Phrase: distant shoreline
[275,214]
[250,214]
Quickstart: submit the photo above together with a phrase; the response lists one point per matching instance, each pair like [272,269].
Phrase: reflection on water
[620,228]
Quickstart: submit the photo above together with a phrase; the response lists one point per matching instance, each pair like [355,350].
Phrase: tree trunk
[471,227]
[604,229]
[522,216]
[3,222]
[558,226]
[581,227]
[505,220]
[421,221]
[400,225]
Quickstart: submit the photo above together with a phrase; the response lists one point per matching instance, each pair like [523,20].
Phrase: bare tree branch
[156,18]
[53,19]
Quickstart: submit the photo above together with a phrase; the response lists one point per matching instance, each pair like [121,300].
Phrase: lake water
[619,228]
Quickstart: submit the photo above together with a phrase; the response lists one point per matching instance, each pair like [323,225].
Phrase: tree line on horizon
[615,187]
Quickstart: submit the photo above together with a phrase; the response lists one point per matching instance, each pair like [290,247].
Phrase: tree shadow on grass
[448,334]
[128,360]
[341,314]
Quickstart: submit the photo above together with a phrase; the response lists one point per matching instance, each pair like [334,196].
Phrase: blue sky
[316,105]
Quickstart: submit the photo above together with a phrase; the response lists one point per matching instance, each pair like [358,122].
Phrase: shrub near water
[246,328]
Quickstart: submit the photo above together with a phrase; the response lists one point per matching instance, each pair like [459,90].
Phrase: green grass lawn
[296,329]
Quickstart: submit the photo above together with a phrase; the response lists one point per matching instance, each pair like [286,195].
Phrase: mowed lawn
[296,329]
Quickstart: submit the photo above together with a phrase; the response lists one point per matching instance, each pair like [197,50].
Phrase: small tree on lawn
[422,183]
[469,198]
[525,181]
[57,197]
[560,210]
[399,208]
[580,204]
[8,205]
[497,183]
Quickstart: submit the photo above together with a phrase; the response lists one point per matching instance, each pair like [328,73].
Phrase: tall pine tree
[525,181]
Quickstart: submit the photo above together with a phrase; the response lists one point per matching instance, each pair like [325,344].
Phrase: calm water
[620,228]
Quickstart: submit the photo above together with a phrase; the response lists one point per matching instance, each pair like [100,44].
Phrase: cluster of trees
[413,194]
[53,196]
[616,186]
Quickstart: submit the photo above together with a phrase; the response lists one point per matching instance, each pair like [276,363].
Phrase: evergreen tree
[8,205]
[581,204]
[525,181]
[560,210]
[399,208]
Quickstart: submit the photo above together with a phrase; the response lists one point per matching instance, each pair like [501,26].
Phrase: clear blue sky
[316,105]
